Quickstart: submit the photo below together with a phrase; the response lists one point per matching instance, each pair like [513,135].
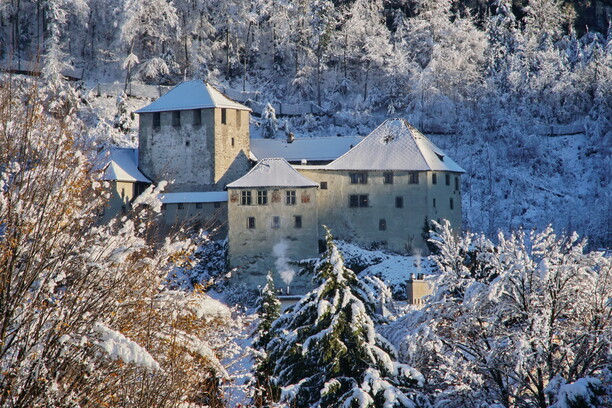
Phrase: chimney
[290,138]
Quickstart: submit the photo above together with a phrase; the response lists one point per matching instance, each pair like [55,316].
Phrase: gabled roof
[121,164]
[395,145]
[194,197]
[195,94]
[272,172]
[311,149]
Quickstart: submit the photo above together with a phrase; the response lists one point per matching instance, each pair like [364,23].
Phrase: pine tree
[327,351]
[268,310]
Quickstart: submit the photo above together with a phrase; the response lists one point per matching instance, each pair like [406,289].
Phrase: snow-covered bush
[512,322]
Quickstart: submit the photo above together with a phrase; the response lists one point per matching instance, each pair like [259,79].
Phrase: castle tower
[194,136]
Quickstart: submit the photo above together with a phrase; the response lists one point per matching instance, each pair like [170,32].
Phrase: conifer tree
[268,310]
[327,351]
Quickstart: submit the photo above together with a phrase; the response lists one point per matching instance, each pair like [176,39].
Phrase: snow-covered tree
[270,123]
[513,323]
[328,353]
[85,319]
[268,310]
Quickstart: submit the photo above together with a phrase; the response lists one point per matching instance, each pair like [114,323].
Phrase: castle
[274,196]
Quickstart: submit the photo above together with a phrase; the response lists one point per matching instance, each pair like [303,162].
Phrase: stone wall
[182,153]
[232,146]
[251,250]
[208,216]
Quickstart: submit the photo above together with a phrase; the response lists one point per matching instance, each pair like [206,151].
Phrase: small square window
[323,185]
[245,197]
[224,116]
[452,204]
[217,205]
[176,118]
[251,222]
[399,202]
[382,224]
[290,197]
[197,117]
[363,200]
[156,120]
[388,178]
[353,201]
[297,221]
[199,206]
[262,197]
[434,178]
[181,206]
[413,177]
[447,179]
[276,222]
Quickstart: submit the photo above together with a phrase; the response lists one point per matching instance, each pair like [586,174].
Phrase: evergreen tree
[270,123]
[327,351]
[268,310]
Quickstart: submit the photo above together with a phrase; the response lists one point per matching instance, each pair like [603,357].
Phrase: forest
[520,313]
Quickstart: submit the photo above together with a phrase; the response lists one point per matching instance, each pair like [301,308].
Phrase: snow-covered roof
[272,172]
[312,149]
[121,164]
[395,145]
[194,197]
[195,94]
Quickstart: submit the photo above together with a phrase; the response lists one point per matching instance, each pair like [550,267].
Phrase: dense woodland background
[494,78]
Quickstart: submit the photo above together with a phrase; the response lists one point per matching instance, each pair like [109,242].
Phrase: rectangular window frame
[387,177]
[413,177]
[246,197]
[382,224]
[262,197]
[434,178]
[452,203]
[447,179]
[156,120]
[399,202]
[197,117]
[359,178]
[176,118]
[199,206]
[457,183]
[251,223]
[297,221]
[290,197]
[223,116]
[276,222]
[323,185]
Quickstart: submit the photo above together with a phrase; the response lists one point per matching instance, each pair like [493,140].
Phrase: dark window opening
[290,197]
[181,206]
[297,221]
[359,178]
[399,202]
[447,179]
[197,117]
[323,185]
[176,118]
[163,207]
[156,120]
[434,203]
[382,224]
[456,183]
[276,222]
[232,142]
[452,204]
[434,178]
[199,206]
[245,197]
[251,222]
[360,200]
[224,116]
[414,178]
[217,205]
[388,178]
[187,143]
[262,197]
